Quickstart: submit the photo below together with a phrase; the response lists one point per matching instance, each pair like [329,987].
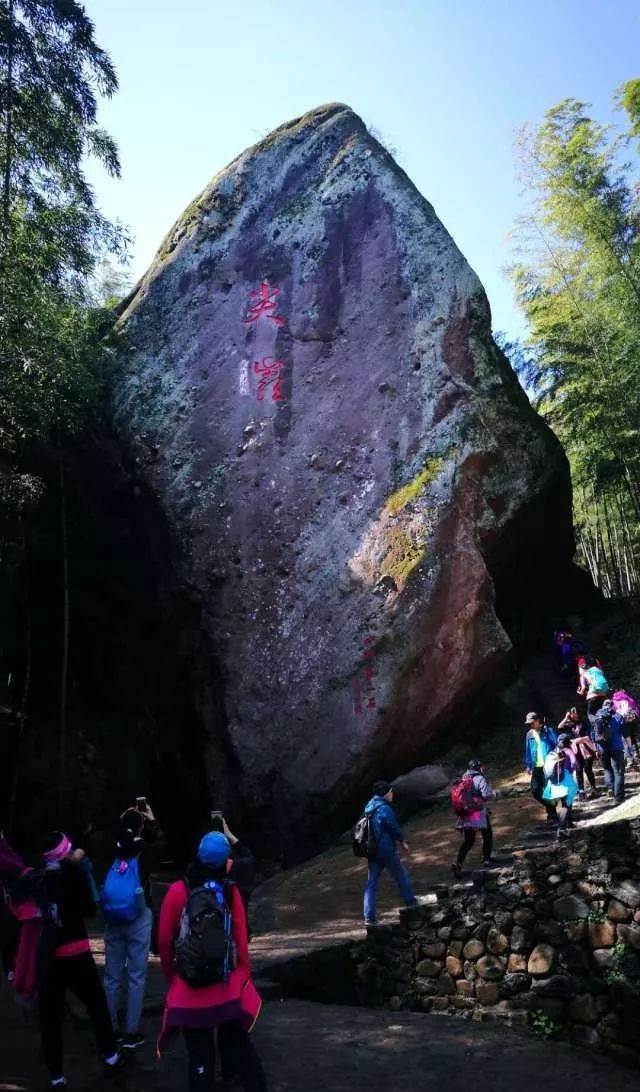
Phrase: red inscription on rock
[263,302]
[270,371]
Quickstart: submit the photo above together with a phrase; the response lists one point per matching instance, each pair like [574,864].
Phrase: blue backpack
[122,894]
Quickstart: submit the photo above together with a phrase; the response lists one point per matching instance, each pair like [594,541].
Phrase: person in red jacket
[232,1005]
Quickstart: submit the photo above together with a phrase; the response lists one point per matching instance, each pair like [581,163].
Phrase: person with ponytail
[128,920]
[62,889]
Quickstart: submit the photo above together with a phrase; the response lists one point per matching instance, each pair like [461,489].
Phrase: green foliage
[597,916]
[629,100]
[611,977]
[543,1026]
[577,280]
[51,233]
[619,951]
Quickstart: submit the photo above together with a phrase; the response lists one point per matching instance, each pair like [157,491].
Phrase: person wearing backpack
[561,787]
[128,920]
[61,889]
[538,742]
[384,836]
[627,708]
[468,796]
[608,734]
[593,685]
[584,750]
[204,951]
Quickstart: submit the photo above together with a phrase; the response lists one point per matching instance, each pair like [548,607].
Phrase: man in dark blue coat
[388,836]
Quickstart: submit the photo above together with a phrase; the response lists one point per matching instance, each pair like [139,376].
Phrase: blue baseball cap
[214,849]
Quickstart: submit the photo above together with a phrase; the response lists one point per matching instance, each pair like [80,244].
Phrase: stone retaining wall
[553,942]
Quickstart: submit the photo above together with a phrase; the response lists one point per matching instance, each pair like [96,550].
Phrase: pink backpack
[625,705]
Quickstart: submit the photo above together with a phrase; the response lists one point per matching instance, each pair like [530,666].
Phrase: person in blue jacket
[388,836]
[539,741]
[608,734]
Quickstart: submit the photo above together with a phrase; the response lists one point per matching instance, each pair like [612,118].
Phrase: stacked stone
[556,934]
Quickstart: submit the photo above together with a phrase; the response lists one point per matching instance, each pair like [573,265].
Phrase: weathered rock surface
[354,478]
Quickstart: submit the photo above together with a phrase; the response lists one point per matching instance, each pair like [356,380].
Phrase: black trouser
[538,782]
[9,937]
[613,767]
[584,766]
[469,839]
[79,974]
[237,1050]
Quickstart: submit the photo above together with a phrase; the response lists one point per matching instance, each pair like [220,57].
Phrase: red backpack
[464,797]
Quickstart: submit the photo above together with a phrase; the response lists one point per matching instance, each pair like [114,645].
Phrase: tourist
[584,750]
[225,997]
[627,708]
[474,816]
[593,685]
[387,836]
[126,902]
[62,891]
[608,733]
[539,740]
[561,788]
[563,641]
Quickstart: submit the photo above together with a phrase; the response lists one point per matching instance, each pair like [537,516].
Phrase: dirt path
[320,903]
[325,1048]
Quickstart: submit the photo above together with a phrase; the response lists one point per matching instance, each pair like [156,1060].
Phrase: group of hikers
[201,938]
[560,763]
[201,932]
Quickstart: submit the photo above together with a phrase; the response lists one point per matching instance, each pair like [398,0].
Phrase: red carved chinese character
[269,370]
[369,672]
[264,303]
[371,704]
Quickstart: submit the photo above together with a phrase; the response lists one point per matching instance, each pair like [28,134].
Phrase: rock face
[308,382]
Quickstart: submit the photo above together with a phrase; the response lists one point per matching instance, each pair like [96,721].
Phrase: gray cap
[530,717]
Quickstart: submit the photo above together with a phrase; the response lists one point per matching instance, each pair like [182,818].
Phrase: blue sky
[446,82]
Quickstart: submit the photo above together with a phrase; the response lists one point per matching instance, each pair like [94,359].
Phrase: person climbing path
[469,796]
[539,740]
[561,787]
[387,835]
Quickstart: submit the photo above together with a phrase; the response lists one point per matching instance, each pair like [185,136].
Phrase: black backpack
[204,948]
[604,727]
[364,841]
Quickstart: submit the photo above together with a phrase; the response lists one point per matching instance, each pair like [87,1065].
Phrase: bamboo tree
[577,280]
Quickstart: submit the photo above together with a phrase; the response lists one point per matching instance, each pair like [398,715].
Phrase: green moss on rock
[407,493]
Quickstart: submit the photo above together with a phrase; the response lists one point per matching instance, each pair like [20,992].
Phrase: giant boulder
[351,472]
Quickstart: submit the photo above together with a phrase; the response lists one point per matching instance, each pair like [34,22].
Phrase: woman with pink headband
[61,888]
